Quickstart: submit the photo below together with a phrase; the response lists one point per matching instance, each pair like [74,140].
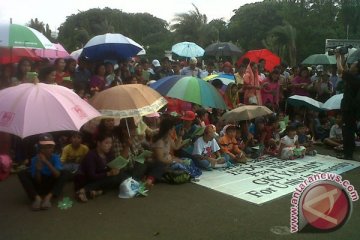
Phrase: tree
[36,24]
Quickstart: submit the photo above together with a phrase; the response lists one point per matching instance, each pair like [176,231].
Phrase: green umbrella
[319,59]
[18,36]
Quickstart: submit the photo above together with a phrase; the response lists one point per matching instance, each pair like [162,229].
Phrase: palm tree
[192,26]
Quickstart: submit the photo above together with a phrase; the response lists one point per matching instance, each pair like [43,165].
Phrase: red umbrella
[13,55]
[255,55]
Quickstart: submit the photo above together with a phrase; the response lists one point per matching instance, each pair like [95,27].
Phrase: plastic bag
[130,188]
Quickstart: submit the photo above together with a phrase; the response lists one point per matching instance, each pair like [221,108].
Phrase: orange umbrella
[129,100]
[271,59]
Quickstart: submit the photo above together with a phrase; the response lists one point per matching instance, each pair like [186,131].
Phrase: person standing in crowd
[270,90]
[59,65]
[350,103]
[23,67]
[6,72]
[45,178]
[210,69]
[334,79]
[82,75]
[324,88]
[301,82]
[191,70]
[155,72]
[47,75]
[97,82]
[252,87]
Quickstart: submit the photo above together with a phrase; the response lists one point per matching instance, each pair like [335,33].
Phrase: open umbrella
[189,89]
[245,112]
[353,57]
[30,109]
[13,55]
[187,49]
[224,78]
[334,102]
[271,59]
[220,49]
[14,35]
[319,59]
[111,46]
[76,54]
[303,101]
[129,100]
[59,52]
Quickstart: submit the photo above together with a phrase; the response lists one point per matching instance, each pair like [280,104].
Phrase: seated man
[229,147]
[74,153]
[206,150]
[45,178]
[335,138]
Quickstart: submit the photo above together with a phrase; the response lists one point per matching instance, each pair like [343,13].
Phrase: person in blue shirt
[44,179]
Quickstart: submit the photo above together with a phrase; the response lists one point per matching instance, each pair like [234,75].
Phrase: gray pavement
[185,211]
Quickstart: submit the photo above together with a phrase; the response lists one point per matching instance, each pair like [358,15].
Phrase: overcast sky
[54,12]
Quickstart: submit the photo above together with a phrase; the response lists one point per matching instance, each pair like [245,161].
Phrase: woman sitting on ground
[94,176]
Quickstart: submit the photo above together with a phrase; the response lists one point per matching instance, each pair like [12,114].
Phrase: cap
[156,63]
[46,139]
[319,68]
[188,116]
[193,60]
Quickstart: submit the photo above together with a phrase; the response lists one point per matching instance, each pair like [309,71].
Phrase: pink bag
[5,166]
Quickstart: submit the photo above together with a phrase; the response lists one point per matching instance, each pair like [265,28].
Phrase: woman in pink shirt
[270,90]
[252,85]
[301,82]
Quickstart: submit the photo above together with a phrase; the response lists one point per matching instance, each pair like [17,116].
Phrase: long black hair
[166,125]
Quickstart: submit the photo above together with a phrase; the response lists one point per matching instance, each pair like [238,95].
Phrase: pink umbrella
[60,52]
[30,109]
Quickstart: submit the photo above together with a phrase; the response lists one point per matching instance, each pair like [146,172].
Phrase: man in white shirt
[206,150]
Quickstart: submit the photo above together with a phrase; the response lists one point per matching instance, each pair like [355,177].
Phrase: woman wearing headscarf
[252,85]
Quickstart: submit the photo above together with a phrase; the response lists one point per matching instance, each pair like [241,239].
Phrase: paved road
[170,212]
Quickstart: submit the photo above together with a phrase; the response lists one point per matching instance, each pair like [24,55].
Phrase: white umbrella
[303,101]
[334,102]
[76,54]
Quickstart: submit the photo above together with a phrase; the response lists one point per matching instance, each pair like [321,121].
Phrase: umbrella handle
[127,126]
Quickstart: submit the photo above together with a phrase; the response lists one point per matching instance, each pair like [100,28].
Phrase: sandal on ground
[81,196]
[45,205]
[94,194]
[36,205]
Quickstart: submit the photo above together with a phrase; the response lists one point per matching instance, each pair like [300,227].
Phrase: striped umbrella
[190,89]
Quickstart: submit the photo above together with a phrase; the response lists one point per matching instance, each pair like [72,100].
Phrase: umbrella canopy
[14,35]
[225,78]
[59,52]
[271,59]
[334,102]
[13,55]
[246,112]
[303,101]
[319,59]
[353,57]
[30,109]
[111,46]
[187,49]
[76,54]
[220,49]
[189,89]
[129,100]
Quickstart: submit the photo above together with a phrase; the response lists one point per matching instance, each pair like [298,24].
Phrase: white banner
[260,181]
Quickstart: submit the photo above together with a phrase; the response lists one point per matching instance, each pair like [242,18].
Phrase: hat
[193,60]
[46,139]
[188,116]
[156,63]
[319,68]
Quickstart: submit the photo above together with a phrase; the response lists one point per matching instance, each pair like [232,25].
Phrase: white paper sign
[260,181]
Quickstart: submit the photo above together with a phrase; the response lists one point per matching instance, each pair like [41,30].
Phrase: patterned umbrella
[129,100]
[190,89]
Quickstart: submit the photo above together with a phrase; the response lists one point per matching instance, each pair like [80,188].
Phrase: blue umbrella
[187,49]
[111,46]
[190,89]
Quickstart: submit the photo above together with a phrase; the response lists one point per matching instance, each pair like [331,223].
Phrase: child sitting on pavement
[74,153]
[289,145]
[229,147]
[335,138]
[304,140]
